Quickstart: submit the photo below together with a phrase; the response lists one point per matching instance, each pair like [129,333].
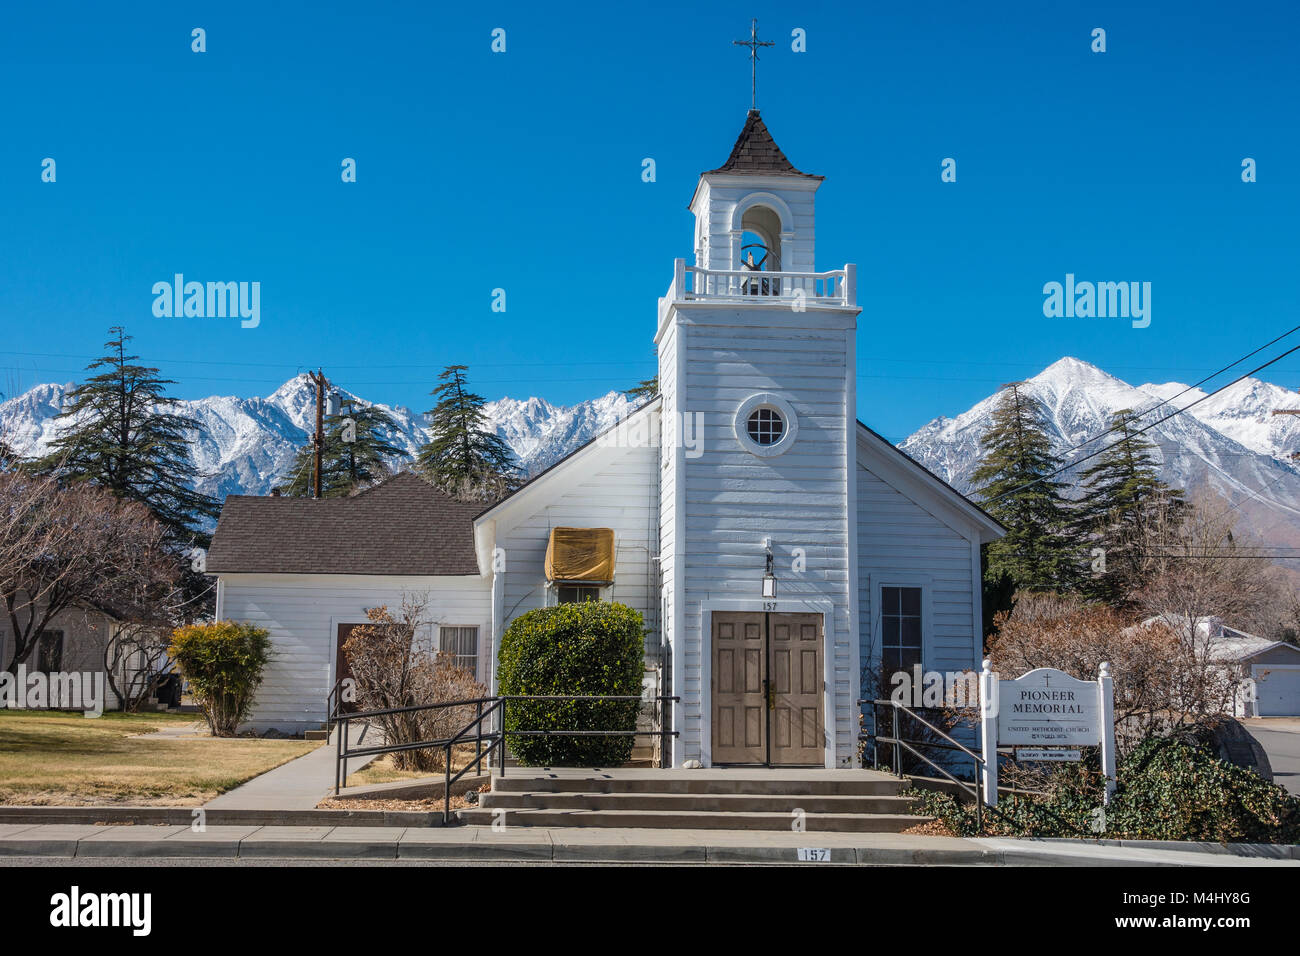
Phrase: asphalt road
[1280,738]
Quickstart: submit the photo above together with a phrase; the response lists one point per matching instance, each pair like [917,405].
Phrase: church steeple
[756,152]
[756,202]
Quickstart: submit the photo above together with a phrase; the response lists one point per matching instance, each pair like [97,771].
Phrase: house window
[574,593]
[49,652]
[766,426]
[900,623]
[462,644]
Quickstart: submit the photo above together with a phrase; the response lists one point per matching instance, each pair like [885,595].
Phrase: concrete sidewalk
[302,783]
[566,845]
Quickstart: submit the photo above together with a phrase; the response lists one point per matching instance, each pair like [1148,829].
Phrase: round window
[765,426]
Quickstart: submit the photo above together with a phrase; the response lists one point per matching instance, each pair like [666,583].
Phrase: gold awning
[581,554]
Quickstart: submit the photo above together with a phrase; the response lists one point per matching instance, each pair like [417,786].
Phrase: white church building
[779,550]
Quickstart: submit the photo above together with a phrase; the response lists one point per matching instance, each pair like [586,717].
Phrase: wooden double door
[767,688]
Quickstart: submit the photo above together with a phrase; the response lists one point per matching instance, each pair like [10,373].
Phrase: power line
[1195,385]
[1159,421]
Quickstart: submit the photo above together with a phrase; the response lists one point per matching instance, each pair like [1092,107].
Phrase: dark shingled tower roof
[756,152]
[401,526]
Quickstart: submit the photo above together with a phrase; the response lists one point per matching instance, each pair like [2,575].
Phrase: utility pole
[1288,411]
[318,441]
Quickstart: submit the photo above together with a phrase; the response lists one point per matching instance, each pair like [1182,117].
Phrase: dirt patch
[422,806]
[930,828]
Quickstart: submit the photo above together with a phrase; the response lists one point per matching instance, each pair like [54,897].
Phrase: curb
[184,816]
[1255,851]
[541,852]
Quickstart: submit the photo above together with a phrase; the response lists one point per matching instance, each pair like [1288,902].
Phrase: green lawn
[61,758]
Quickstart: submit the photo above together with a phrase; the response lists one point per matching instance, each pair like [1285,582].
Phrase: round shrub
[588,648]
[223,663]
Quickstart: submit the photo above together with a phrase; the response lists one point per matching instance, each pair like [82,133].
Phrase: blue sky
[522,171]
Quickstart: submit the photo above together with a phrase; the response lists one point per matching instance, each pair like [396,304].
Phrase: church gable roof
[928,482]
[756,152]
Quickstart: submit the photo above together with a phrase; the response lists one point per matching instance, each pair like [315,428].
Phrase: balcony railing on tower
[691,283]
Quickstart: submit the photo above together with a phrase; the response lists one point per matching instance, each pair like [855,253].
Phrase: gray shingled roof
[756,152]
[402,526]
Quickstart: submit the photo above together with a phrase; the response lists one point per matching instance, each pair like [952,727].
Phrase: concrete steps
[696,820]
[860,801]
[709,803]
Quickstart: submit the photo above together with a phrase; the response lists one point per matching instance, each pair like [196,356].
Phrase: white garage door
[1278,689]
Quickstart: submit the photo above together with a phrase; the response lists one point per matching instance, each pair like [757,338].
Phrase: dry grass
[428,805]
[64,759]
[383,771]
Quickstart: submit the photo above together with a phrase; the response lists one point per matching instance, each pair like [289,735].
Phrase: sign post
[989,732]
[1106,702]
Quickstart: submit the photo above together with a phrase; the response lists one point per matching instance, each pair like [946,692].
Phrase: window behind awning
[581,554]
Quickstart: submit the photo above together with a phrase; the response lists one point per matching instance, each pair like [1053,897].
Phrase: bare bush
[1162,680]
[394,665]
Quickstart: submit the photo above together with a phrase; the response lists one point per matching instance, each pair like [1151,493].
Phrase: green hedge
[588,648]
[1169,789]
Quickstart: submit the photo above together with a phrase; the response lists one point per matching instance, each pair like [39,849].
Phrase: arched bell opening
[760,250]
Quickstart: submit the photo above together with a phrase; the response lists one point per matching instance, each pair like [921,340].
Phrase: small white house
[776,546]
[1270,669]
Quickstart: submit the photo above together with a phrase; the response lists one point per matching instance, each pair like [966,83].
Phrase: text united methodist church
[782,553]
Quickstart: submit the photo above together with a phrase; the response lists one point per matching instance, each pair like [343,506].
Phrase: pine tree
[463,458]
[119,432]
[644,391]
[1037,553]
[347,466]
[1122,495]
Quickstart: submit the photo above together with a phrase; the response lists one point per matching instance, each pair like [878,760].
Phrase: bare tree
[1196,565]
[73,547]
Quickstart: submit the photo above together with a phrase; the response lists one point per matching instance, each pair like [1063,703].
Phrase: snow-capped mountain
[247,445]
[1231,441]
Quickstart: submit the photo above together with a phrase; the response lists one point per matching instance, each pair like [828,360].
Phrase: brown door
[767,688]
[795,650]
[342,670]
[739,688]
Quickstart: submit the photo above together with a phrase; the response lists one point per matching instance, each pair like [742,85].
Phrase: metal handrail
[976,792]
[496,739]
[333,704]
[897,741]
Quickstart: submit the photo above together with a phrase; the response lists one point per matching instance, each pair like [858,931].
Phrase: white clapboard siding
[730,499]
[901,542]
[621,493]
[303,612]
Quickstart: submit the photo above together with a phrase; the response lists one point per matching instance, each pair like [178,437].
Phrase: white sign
[1048,708]
[1026,755]
[814,854]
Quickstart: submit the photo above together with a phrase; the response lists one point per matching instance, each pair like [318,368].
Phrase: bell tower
[756,211]
[757,483]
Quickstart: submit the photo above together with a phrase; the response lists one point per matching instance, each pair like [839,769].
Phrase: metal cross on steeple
[753,43]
